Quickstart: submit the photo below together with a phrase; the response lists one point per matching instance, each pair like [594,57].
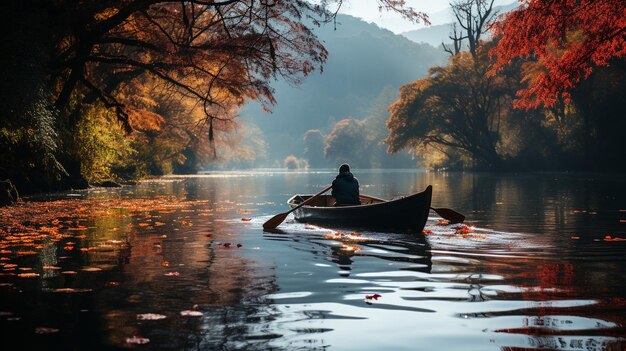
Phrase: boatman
[345,188]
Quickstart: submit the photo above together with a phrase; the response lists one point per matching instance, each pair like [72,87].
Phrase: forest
[545,98]
[125,89]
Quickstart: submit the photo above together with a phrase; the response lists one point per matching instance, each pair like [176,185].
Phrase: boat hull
[408,213]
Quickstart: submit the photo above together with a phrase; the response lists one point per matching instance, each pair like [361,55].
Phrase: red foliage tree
[567,38]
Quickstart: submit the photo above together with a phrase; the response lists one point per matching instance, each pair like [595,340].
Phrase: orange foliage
[573,38]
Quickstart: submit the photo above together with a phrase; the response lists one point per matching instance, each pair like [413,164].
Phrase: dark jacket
[346,189]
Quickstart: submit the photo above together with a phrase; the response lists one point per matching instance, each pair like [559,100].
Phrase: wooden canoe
[405,214]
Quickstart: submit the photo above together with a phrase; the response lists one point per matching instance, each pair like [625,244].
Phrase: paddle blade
[450,215]
[275,221]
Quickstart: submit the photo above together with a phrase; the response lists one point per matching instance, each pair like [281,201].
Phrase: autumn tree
[217,53]
[350,141]
[455,107]
[578,45]
[568,38]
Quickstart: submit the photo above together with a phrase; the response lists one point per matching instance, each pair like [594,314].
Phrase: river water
[183,263]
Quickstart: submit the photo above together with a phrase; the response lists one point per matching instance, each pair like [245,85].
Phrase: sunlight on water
[185,263]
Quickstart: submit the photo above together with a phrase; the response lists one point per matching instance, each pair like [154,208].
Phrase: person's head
[344,168]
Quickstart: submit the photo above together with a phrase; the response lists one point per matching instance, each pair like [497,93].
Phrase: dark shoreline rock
[8,193]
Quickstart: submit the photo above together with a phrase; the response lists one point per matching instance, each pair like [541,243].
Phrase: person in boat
[345,187]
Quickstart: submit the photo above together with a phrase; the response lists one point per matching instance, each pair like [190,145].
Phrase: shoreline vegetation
[108,92]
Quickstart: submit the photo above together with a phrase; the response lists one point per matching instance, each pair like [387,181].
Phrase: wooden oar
[450,215]
[275,221]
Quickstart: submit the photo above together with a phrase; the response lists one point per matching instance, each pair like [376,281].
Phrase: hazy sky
[438,11]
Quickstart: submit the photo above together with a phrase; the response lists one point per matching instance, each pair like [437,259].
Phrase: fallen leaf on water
[45,330]
[158,224]
[369,298]
[150,317]
[92,269]
[462,229]
[246,219]
[112,283]
[115,242]
[350,248]
[427,231]
[165,264]
[574,237]
[226,244]
[70,290]
[239,245]
[172,274]
[374,296]
[25,253]
[69,272]
[442,222]
[137,340]
[64,290]
[28,275]
[606,238]
[189,313]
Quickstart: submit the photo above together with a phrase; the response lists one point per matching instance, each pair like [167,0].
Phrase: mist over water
[184,263]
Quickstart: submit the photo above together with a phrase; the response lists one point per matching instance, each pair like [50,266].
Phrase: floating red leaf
[137,340]
[372,297]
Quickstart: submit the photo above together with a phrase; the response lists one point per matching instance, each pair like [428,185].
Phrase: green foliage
[100,143]
[153,155]
[30,140]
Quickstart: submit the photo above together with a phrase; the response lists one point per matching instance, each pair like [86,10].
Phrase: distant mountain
[433,35]
[363,60]
[436,34]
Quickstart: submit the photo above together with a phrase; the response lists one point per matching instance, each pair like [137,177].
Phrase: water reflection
[535,271]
